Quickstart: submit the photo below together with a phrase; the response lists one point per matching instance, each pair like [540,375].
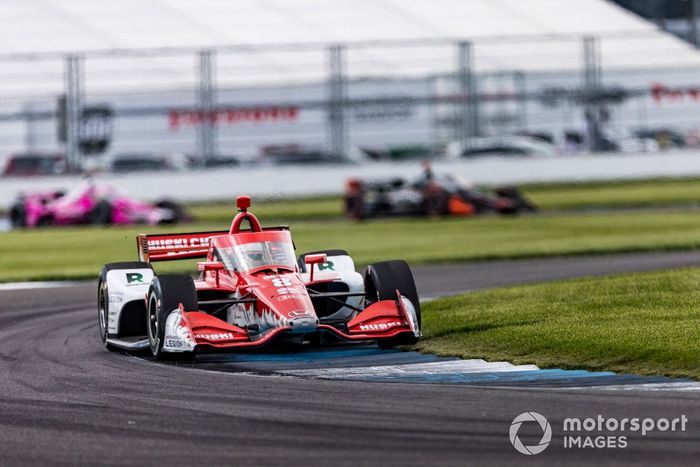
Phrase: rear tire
[103,297]
[18,216]
[165,294]
[45,221]
[101,214]
[436,204]
[176,208]
[520,202]
[382,280]
[355,207]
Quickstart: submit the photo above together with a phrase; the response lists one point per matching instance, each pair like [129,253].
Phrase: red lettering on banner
[659,93]
[179,118]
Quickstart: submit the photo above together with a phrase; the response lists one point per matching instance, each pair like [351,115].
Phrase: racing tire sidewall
[155,324]
[101,213]
[436,204]
[355,207]
[384,278]
[103,309]
[177,210]
[18,216]
[165,294]
[381,282]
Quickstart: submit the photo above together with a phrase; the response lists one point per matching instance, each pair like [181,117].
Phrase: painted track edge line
[30,285]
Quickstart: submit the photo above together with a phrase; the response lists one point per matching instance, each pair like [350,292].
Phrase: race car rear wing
[176,246]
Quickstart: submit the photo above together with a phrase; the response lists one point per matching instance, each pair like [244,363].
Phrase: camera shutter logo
[546,433]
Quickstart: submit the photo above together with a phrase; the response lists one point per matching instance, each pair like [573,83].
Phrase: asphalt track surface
[64,400]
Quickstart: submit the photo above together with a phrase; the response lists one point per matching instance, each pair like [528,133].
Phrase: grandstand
[144,58]
[275,39]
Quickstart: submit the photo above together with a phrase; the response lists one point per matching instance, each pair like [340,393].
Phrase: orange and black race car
[429,195]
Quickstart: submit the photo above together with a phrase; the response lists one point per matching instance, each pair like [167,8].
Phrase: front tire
[165,294]
[103,309]
[103,297]
[382,280]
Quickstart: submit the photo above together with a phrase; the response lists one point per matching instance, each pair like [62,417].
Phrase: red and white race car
[251,291]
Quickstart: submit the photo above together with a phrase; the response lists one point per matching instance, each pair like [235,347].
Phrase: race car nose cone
[303,324]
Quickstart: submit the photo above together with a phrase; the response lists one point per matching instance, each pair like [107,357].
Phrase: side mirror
[315,259]
[211,266]
[207,266]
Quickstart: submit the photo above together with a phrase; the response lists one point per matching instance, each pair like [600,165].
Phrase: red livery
[251,291]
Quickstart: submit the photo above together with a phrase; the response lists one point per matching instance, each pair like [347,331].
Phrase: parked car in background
[34,164]
[141,162]
[665,138]
[543,136]
[525,146]
[90,204]
[297,154]
[196,162]
[405,152]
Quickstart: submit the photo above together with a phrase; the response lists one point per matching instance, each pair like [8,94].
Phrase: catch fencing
[578,91]
[289,182]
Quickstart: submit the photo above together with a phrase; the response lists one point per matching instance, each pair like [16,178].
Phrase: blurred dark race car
[90,204]
[429,195]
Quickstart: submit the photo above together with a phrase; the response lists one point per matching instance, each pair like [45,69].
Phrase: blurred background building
[679,17]
[170,84]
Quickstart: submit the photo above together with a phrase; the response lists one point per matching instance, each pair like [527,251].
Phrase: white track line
[37,285]
[687,386]
[413,369]
[433,368]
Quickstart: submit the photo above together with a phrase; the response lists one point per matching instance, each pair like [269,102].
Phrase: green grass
[316,208]
[659,192]
[317,223]
[64,253]
[635,323]
[662,192]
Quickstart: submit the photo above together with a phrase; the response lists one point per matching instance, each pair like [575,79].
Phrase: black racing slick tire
[165,294]
[436,204]
[18,216]
[382,280]
[45,221]
[101,214]
[103,296]
[178,212]
[355,207]
[519,202]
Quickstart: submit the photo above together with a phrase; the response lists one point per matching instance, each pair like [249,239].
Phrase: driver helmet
[254,253]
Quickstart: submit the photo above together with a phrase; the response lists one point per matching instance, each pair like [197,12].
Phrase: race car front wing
[189,330]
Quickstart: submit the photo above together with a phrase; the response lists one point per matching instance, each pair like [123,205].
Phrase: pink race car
[90,204]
